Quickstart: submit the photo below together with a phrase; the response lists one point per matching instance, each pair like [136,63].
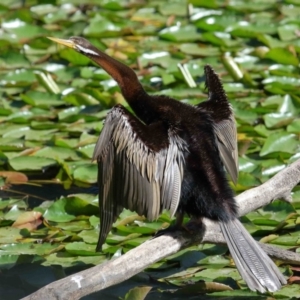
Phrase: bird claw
[170,229]
[194,226]
[185,229]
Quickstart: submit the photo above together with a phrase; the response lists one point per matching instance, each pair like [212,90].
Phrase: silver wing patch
[136,170]
[227,144]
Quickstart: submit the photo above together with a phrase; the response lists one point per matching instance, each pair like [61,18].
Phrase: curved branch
[136,260]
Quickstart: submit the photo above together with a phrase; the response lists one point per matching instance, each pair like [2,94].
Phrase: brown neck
[132,90]
[125,76]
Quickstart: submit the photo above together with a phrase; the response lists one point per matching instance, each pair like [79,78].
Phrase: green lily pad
[7,261]
[82,249]
[180,33]
[294,126]
[194,49]
[280,142]
[67,260]
[138,293]
[287,32]
[9,235]
[21,163]
[282,56]
[66,209]
[58,153]
[27,248]
[86,173]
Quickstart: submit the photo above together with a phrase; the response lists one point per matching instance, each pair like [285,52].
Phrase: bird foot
[170,229]
[194,226]
[190,228]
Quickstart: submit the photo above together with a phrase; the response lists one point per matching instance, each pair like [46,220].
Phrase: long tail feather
[256,268]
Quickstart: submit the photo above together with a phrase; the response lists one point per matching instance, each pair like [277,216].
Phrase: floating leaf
[280,142]
[180,33]
[29,220]
[277,120]
[288,32]
[66,209]
[13,177]
[82,249]
[58,153]
[203,50]
[87,173]
[203,287]
[31,163]
[282,56]
[294,127]
[138,293]
[9,235]
[21,30]
[27,248]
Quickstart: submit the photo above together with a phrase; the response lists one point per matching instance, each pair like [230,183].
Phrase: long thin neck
[132,90]
[125,76]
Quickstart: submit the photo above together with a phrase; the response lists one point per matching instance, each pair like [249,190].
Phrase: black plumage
[172,155]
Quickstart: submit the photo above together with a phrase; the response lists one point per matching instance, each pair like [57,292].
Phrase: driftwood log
[136,260]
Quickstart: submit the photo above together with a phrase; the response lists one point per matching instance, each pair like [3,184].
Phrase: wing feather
[227,144]
[136,169]
[176,190]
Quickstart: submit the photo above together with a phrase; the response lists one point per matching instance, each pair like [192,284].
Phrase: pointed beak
[67,43]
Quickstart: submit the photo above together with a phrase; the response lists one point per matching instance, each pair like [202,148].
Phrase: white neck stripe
[87,51]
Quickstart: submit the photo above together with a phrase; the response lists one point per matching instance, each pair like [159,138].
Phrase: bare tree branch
[136,260]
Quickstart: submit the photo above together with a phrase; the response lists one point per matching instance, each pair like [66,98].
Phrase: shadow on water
[37,191]
[24,279]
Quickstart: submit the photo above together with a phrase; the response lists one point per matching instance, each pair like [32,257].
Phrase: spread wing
[140,168]
[224,124]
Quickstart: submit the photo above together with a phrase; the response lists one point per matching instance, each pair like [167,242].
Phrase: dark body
[205,188]
[205,191]
[172,156]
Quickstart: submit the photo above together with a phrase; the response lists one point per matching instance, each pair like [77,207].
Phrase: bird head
[79,44]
